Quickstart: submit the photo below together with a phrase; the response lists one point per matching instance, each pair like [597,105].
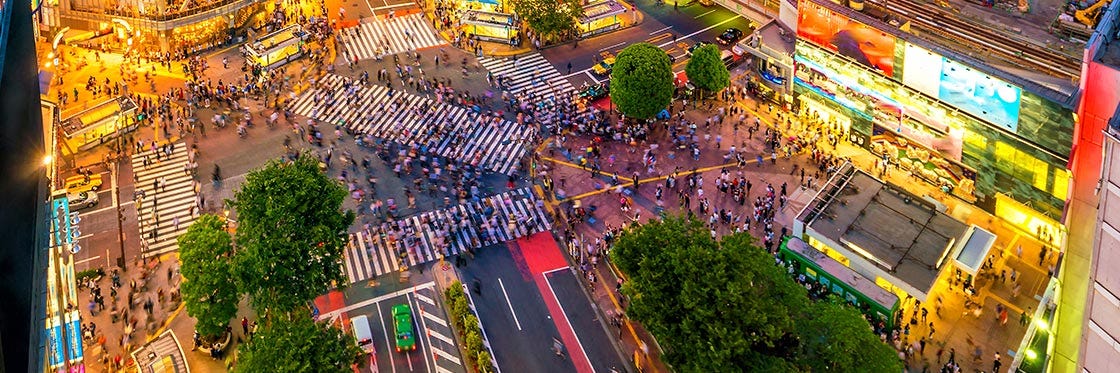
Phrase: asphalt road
[673,30]
[513,305]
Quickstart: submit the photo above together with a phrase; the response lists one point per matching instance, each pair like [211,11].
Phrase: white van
[359,325]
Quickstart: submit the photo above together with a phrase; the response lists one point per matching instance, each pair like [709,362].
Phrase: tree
[296,343]
[712,306]
[548,17]
[205,254]
[829,333]
[642,81]
[706,69]
[290,235]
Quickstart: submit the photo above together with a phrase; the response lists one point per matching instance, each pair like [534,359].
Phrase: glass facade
[1011,141]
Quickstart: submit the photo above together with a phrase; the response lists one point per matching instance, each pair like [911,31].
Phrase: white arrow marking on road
[509,304]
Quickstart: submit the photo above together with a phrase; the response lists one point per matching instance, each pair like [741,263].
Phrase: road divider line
[612,46]
[87,260]
[704,14]
[385,332]
[564,314]
[427,285]
[660,30]
[433,318]
[447,356]
[508,303]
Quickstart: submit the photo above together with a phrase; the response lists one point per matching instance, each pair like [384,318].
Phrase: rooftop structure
[883,230]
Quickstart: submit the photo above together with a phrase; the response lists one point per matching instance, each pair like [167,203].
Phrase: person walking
[245,326]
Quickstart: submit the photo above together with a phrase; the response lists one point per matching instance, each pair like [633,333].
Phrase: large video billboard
[842,35]
[963,87]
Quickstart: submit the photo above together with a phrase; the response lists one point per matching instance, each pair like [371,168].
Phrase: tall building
[24,187]
[1088,323]
[986,117]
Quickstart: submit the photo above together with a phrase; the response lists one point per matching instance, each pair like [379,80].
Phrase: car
[672,59]
[402,324]
[359,325]
[603,68]
[82,200]
[696,46]
[730,36]
[81,183]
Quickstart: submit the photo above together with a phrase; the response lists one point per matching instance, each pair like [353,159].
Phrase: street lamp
[117,194]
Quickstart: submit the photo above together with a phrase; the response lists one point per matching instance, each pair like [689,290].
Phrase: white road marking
[486,340]
[448,356]
[660,30]
[509,304]
[592,76]
[565,315]
[425,298]
[612,46]
[423,325]
[86,260]
[388,342]
[441,337]
[391,6]
[432,317]
[704,14]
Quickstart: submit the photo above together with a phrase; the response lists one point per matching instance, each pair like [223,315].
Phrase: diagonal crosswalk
[530,74]
[379,37]
[421,238]
[164,211]
[446,130]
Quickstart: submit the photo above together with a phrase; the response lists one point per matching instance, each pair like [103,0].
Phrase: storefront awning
[974,250]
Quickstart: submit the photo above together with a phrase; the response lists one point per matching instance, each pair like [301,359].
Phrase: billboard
[840,34]
[963,87]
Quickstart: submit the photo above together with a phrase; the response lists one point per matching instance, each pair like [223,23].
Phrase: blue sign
[980,94]
[74,339]
[55,345]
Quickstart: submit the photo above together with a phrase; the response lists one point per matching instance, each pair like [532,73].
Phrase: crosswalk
[379,37]
[446,130]
[530,74]
[421,238]
[437,330]
[164,212]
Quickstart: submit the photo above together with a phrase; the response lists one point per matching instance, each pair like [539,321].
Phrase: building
[986,117]
[22,212]
[172,26]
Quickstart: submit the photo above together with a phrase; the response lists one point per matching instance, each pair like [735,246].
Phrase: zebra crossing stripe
[160,207]
[405,33]
[529,73]
[367,255]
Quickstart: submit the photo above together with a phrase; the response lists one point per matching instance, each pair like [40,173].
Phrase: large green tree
[725,307]
[706,69]
[642,81]
[830,331]
[205,254]
[296,343]
[290,234]
[549,18]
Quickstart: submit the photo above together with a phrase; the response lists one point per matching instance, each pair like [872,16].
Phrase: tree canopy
[549,18]
[642,81]
[726,307]
[295,343]
[205,254]
[290,235]
[706,69]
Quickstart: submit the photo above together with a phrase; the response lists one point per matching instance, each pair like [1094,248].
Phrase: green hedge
[467,323]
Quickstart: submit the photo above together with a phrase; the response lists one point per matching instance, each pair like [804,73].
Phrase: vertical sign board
[74,336]
[55,343]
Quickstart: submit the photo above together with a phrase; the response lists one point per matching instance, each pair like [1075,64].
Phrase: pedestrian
[245,326]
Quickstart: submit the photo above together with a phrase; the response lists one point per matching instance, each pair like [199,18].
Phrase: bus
[874,301]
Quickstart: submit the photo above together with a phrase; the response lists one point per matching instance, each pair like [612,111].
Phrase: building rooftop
[901,233]
[1007,44]
[1108,33]
[777,37]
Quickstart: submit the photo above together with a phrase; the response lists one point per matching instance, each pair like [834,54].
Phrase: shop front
[491,26]
[600,17]
[277,48]
[970,157]
[98,125]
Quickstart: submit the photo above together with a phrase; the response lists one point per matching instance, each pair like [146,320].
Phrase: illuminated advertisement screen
[840,34]
[963,87]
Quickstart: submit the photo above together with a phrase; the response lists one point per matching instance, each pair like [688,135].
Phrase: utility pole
[114,170]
